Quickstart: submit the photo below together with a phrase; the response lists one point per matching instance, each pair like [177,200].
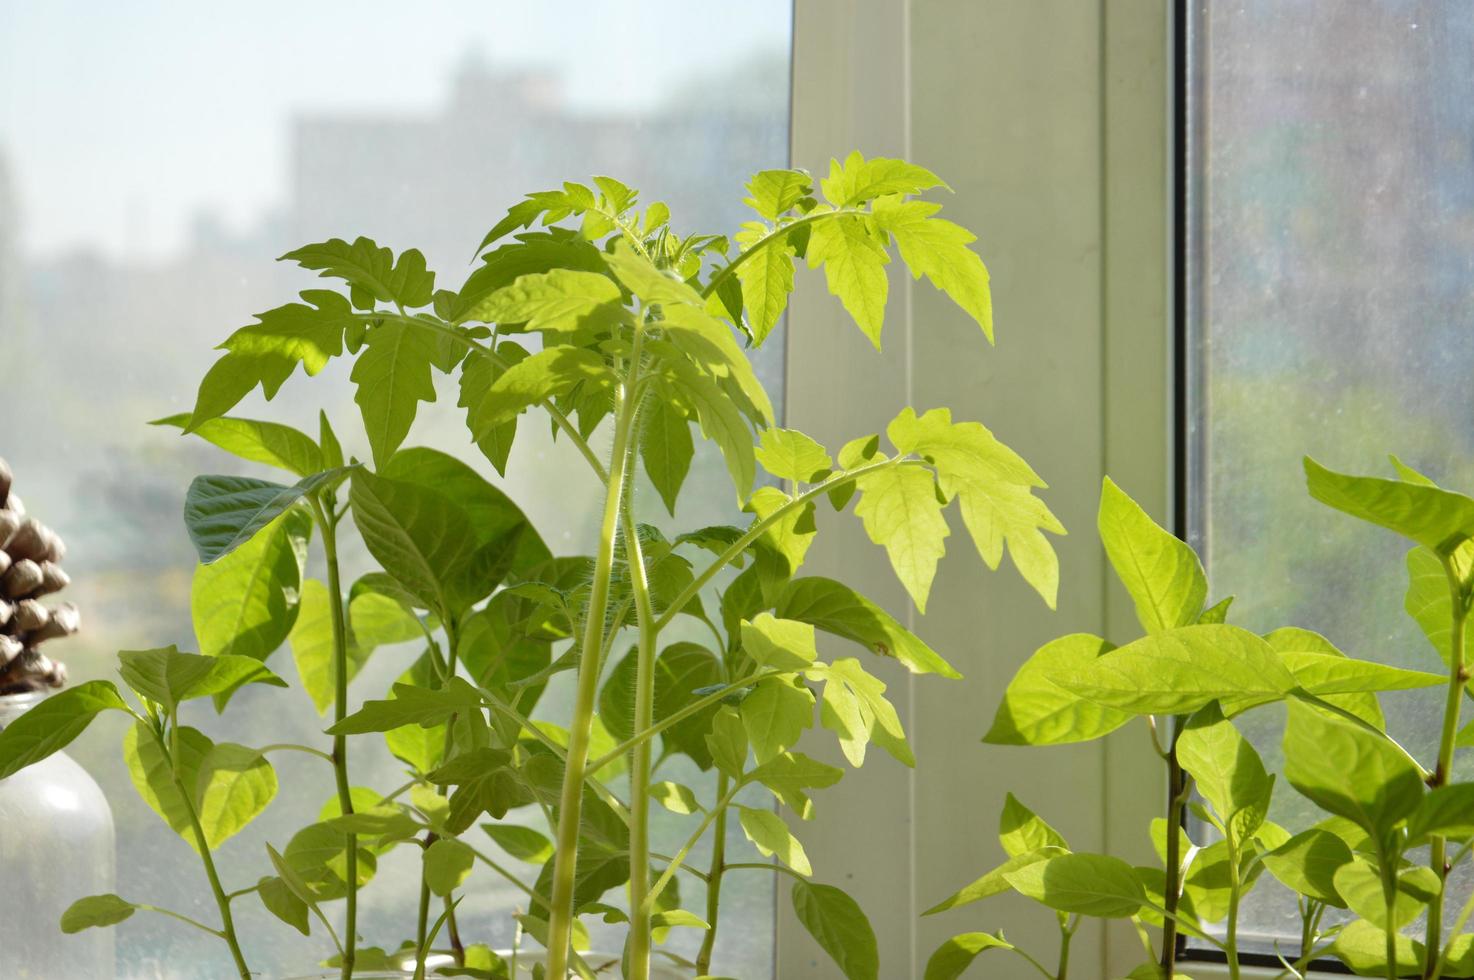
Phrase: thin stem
[329,530]
[182,918]
[559,419]
[1457,677]
[714,883]
[1458,929]
[680,857]
[640,939]
[730,269]
[570,807]
[1389,892]
[1177,787]
[773,866]
[1235,886]
[675,718]
[1066,933]
[736,548]
[528,889]
[294,747]
[422,916]
[202,845]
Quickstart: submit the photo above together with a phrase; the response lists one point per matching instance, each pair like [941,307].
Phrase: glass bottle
[56,846]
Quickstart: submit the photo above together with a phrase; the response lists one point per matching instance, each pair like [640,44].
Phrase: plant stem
[714,881]
[1389,891]
[422,917]
[329,528]
[570,802]
[1231,935]
[1172,886]
[756,247]
[1459,925]
[695,707]
[640,940]
[227,922]
[1457,677]
[1066,933]
[711,815]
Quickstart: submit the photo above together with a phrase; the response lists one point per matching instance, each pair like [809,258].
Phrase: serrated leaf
[790,455]
[775,715]
[837,924]
[259,442]
[559,301]
[783,644]
[937,248]
[1036,710]
[224,512]
[393,375]
[371,270]
[772,192]
[1162,574]
[1439,520]
[784,543]
[411,705]
[770,835]
[267,352]
[995,488]
[855,709]
[901,512]
[665,449]
[1096,885]
[448,863]
[719,419]
[766,279]
[954,956]
[52,725]
[836,608]
[96,911]
[650,284]
[550,372]
[788,775]
[709,345]
[169,677]
[854,268]
[858,180]
[1181,670]
[247,602]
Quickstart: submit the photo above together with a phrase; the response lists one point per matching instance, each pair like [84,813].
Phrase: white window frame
[1053,121]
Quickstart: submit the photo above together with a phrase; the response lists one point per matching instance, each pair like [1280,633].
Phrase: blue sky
[120,121]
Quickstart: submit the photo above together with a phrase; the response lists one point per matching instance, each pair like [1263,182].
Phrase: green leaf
[1428,600]
[1363,947]
[1087,884]
[836,608]
[790,455]
[783,545]
[1305,654]
[1228,772]
[854,261]
[954,956]
[393,376]
[727,742]
[283,903]
[313,645]
[52,725]
[1349,772]
[1162,574]
[938,249]
[789,774]
[224,512]
[152,774]
[665,449]
[1447,811]
[772,192]
[419,536]
[783,644]
[719,419]
[411,705]
[766,279]
[1181,670]
[169,678]
[775,715]
[448,862]
[259,442]
[522,843]
[856,710]
[1307,863]
[559,301]
[901,511]
[650,284]
[995,882]
[1359,883]
[234,785]
[858,180]
[317,857]
[551,371]
[1439,520]
[995,488]
[708,345]
[268,351]
[1038,710]
[371,271]
[770,835]
[332,450]
[676,798]
[1022,831]
[95,911]
[246,603]
[838,925]
[680,671]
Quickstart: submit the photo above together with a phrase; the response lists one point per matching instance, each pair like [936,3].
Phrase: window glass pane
[1332,191]
[156,156]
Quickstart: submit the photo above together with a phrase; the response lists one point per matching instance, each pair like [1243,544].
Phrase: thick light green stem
[329,528]
[222,902]
[640,940]
[714,882]
[1457,678]
[570,802]
[1066,934]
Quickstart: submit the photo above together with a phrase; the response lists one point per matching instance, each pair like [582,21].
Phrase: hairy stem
[227,922]
[328,527]
[570,802]
[640,940]
[714,882]
[1457,677]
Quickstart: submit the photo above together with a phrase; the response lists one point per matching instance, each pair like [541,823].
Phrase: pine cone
[30,554]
